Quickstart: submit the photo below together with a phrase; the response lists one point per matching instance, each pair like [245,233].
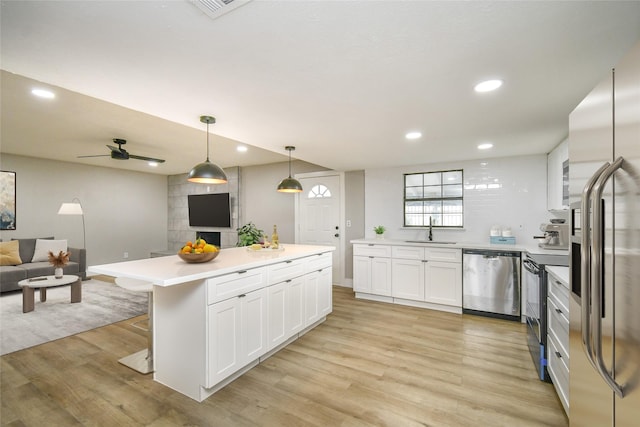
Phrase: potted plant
[58,262]
[249,234]
[379,230]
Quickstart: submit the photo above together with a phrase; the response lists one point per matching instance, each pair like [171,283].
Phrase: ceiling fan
[120,153]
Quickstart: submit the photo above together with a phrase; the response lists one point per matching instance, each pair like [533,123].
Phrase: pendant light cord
[207,141]
[289,163]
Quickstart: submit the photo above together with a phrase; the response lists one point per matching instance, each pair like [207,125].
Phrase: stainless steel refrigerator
[604,181]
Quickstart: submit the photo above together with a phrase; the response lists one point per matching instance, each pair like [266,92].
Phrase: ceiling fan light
[207,173]
[289,185]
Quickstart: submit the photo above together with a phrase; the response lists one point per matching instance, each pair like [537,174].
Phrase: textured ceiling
[343,81]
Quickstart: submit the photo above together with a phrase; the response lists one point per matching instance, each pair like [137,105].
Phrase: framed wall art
[7,200]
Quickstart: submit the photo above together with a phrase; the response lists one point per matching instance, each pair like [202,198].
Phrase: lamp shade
[289,185]
[70,209]
[207,173]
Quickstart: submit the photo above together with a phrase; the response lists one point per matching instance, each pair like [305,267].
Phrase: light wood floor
[368,364]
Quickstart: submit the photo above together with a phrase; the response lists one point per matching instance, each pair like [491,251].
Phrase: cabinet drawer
[407,252]
[559,324]
[443,254]
[234,284]
[286,270]
[317,262]
[372,250]
[559,292]
[558,366]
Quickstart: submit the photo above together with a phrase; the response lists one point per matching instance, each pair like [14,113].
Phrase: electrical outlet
[125,255]
[348,223]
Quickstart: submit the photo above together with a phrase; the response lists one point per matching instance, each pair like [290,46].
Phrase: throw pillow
[44,246]
[10,253]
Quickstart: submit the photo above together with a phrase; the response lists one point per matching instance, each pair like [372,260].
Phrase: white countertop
[561,273]
[532,248]
[171,270]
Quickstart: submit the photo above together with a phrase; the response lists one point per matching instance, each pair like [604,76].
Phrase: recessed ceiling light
[488,86]
[242,148]
[153,164]
[413,135]
[485,146]
[43,93]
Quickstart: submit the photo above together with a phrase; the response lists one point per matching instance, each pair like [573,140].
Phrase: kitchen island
[214,321]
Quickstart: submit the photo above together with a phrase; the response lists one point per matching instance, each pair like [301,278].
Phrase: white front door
[318,215]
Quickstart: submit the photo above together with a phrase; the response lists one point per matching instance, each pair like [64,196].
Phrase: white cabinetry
[432,275]
[558,334]
[557,177]
[372,269]
[237,334]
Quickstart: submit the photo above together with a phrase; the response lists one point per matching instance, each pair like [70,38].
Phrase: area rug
[102,303]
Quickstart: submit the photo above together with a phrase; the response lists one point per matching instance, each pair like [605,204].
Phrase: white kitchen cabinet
[432,275]
[325,293]
[557,177]
[558,334]
[372,269]
[237,334]
[285,310]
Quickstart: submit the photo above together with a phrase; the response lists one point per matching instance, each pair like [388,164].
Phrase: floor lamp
[74,208]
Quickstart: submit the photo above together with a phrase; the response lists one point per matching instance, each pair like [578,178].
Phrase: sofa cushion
[44,246]
[27,247]
[10,274]
[10,253]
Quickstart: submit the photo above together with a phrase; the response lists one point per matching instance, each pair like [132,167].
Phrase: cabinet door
[311,298]
[380,276]
[443,283]
[223,343]
[362,274]
[407,277]
[253,326]
[294,315]
[277,308]
[325,292]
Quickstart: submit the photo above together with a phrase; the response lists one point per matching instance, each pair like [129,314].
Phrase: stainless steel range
[534,278]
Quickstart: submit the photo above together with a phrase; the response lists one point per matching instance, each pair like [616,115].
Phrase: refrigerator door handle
[585,264]
[596,275]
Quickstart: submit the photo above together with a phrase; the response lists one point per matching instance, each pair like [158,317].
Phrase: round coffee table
[44,282]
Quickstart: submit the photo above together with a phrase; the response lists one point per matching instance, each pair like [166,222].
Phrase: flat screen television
[209,210]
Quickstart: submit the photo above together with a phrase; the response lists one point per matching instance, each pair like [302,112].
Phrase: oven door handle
[597,246]
[585,264]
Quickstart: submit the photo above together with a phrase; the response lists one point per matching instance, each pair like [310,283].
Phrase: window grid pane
[434,195]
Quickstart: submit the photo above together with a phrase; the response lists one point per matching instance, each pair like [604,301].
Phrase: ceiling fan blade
[148,159]
[95,155]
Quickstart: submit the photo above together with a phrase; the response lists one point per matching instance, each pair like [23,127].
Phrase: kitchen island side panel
[180,336]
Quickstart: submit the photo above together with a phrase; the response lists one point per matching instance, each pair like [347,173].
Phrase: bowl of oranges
[198,251]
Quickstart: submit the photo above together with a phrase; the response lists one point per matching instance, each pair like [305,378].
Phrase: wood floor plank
[368,364]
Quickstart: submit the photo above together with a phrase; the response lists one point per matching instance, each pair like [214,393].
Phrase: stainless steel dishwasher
[491,283]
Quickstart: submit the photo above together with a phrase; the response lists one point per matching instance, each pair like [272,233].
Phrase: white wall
[124,211]
[519,200]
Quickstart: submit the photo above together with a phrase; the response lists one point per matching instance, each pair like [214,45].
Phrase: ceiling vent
[216,8]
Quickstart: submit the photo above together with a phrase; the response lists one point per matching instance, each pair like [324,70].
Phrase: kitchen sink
[434,242]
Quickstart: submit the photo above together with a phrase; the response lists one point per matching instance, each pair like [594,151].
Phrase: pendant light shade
[289,185]
[207,172]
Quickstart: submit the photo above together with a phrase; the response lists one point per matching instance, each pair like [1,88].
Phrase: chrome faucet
[430,230]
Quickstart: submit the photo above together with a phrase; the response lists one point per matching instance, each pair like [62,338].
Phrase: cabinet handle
[242,296]
[558,311]
[242,271]
[288,281]
[425,260]
[371,257]
[370,244]
[558,355]
[288,262]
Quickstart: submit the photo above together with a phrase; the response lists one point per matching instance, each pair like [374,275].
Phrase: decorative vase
[58,272]
[380,236]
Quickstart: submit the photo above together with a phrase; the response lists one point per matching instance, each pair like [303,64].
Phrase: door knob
[336,235]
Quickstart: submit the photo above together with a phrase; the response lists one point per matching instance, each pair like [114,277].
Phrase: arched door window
[319,191]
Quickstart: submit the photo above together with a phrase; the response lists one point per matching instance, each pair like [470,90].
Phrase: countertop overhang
[171,270]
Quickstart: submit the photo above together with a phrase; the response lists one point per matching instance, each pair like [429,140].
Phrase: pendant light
[207,172]
[289,185]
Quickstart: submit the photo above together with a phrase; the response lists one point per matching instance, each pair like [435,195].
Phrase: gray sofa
[10,275]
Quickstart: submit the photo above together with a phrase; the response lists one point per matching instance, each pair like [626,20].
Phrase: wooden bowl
[194,258]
